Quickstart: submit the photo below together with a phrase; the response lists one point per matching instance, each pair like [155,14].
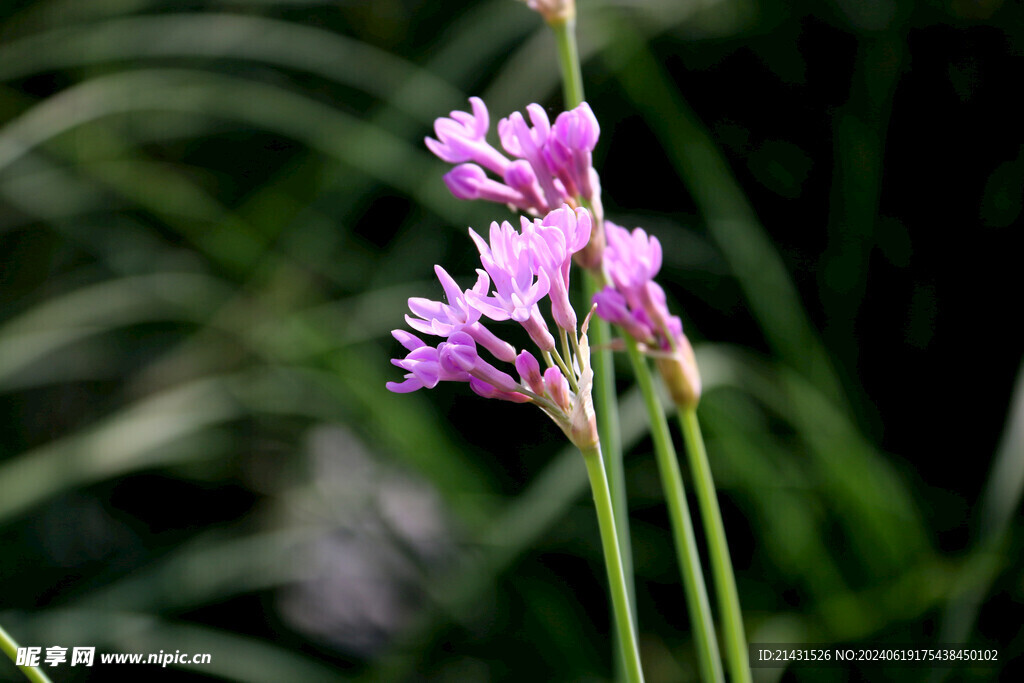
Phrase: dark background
[211,214]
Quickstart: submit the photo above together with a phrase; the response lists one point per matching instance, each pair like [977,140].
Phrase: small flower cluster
[551,175]
[633,300]
[520,269]
[552,164]
[636,303]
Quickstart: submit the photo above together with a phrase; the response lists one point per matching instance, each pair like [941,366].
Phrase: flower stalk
[520,270]
[564,30]
[697,603]
[568,59]
[608,426]
[731,617]
[544,169]
[628,648]
[10,648]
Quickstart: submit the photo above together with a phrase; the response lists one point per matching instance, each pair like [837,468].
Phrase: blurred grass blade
[791,525]
[860,130]
[225,36]
[140,436]
[1002,494]
[61,321]
[365,147]
[1000,501]
[206,570]
[772,296]
[787,520]
[868,495]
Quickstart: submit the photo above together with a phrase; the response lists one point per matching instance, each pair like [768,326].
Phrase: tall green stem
[697,603]
[569,61]
[607,409]
[629,650]
[721,565]
[605,400]
[10,648]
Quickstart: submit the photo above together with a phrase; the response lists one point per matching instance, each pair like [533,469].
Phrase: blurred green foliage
[211,214]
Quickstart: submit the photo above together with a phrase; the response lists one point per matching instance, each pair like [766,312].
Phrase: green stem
[10,648]
[629,650]
[721,565]
[607,409]
[569,61]
[605,400]
[697,603]
[571,367]
[569,374]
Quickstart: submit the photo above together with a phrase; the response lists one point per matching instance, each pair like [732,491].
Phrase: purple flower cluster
[549,174]
[551,164]
[520,269]
[636,303]
[633,300]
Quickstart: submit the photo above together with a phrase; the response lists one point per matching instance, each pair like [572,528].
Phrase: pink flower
[519,280]
[519,269]
[562,232]
[462,137]
[550,165]
[458,315]
[569,149]
[528,143]
[423,366]
[632,259]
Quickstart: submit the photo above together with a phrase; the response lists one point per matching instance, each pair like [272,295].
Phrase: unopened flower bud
[521,177]
[557,388]
[554,11]
[464,181]
[680,374]
[529,372]
[590,256]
